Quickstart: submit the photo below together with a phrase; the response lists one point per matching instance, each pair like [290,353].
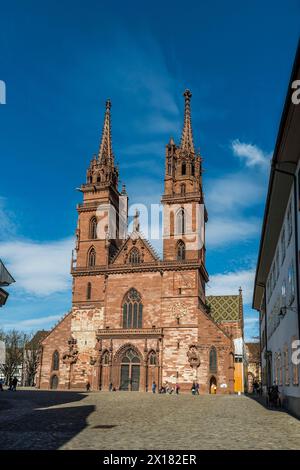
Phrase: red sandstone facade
[136,318]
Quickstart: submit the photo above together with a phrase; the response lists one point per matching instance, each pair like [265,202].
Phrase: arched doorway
[130,371]
[54,382]
[213,385]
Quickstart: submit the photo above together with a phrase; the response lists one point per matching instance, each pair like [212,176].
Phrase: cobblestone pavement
[123,420]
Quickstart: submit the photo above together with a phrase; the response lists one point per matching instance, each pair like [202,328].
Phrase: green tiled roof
[224,308]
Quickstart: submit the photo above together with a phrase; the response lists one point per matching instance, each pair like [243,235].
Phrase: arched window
[88,291]
[180,222]
[55,360]
[134,256]
[132,310]
[182,190]
[193,169]
[92,257]
[180,251]
[213,359]
[93,228]
[183,169]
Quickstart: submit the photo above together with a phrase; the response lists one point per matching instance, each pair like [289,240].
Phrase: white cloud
[222,231]
[39,268]
[251,154]
[233,191]
[229,283]
[34,322]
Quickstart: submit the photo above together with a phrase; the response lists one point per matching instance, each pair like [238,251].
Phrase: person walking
[197,386]
[1,385]
[14,384]
[193,388]
[88,386]
[153,387]
[177,388]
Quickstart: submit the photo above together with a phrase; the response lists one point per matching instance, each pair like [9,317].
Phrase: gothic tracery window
[92,257]
[180,251]
[213,359]
[93,228]
[55,360]
[152,359]
[132,310]
[134,256]
[182,190]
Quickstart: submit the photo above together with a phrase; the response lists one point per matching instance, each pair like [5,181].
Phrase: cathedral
[138,318]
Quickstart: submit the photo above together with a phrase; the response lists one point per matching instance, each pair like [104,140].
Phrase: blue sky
[61,60]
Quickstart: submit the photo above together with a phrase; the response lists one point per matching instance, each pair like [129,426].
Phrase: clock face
[179,309]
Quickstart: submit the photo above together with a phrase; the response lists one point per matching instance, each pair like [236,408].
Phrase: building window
[282,243]
[183,169]
[289,222]
[55,360]
[92,257]
[132,310]
[134,256]
[213,359]
[169,169]
[105,358]
[182,190]
[180,222]
[193,169]
[291,283]
[89,291]
[283,294]
[93,228]
[180,251]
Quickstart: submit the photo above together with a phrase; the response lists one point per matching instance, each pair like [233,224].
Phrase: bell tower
[183,201]
[96,242]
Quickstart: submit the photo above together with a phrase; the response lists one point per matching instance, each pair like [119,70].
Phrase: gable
[139,245]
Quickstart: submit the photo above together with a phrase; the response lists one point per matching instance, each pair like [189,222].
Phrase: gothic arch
[180,221]
[93,228]
[122,351]
[180,250]
[91,257]
[134,256]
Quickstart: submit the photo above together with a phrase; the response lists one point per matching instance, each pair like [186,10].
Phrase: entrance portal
[213,385]
[130,371]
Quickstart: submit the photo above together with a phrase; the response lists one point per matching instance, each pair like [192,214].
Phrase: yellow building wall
[238,377]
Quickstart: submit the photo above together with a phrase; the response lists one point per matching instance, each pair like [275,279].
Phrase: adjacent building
[137,318]
[276,290]
[252,365]
[5,280]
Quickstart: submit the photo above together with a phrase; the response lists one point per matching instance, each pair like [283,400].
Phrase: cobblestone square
[31,419]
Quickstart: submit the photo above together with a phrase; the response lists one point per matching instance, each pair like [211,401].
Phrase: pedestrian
[14,384]
[88,386]
[110,387]
[177,388]
[1,385]
[193,388]
[153,387]
[197,386]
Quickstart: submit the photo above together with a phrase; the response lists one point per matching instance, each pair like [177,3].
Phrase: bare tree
[31,359]
[15,343]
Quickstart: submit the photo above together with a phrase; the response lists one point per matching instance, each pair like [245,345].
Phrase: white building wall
[281,297]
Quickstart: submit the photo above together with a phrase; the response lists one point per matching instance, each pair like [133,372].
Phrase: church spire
[187,143]
[105,151]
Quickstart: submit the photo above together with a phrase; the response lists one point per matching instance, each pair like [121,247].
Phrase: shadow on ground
[24,424]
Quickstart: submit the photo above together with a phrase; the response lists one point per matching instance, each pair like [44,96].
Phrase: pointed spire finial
[136,221]
[105,151]
[187,142]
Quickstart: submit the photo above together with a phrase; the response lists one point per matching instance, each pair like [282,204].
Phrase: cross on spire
[187,143]
[105,151]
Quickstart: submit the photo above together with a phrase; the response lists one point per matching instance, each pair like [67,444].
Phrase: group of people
[13,382]
[195,388]
[257,388]
[273,396]
[166,388]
